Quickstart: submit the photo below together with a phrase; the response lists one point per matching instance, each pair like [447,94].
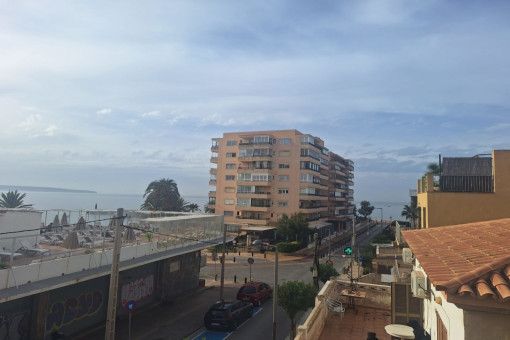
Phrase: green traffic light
[348,250]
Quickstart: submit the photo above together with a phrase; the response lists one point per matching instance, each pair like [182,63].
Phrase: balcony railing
[442,183]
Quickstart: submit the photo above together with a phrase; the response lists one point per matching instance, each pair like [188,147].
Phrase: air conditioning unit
[407,255]
[419,284]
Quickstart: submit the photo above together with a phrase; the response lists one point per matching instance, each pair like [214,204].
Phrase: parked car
[254,292]
[227,315]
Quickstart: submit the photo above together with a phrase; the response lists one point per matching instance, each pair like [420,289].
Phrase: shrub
[290,247]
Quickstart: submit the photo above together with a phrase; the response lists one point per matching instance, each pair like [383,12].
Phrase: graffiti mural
[62,313]
[14,327]
[137,290]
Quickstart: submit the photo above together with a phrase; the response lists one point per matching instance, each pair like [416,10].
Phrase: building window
[230,177]
[230,189]
[285,140]
[283,191]
[283,203]
[243,202]
[230,166]
[231,142]
[228,201]
[283,178]
[228,213]
[284,153]
[244,177]
[284,165]
[231,154]
[261,139]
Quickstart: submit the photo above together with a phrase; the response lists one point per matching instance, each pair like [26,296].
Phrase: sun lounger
[27,248]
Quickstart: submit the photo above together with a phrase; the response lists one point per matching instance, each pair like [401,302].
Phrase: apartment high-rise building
[259,176]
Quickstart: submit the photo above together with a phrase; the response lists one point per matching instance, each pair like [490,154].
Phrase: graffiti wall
[77,307]
[15,319]
[137,284]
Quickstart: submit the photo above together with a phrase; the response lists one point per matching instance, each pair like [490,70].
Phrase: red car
[254,292]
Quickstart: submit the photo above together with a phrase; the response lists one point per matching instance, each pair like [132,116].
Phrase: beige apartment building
[261,175]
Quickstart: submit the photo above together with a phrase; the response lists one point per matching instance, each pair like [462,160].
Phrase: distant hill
[22,188]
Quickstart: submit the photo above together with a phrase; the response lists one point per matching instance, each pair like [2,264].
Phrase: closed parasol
[71,241]
[81,225]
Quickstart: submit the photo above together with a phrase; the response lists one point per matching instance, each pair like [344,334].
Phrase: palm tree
[13,199]
[434,168]
[163,195]
[410,212]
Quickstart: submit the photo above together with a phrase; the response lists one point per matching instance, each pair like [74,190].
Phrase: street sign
[130,306]
[329,262]
[348,251]
[250,260]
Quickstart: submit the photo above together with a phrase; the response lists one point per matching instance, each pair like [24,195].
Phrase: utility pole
[114,279]
[316,261]
[222,280]
[353,249]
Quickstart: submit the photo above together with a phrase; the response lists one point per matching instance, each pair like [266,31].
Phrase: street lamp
[275,292]
[381,214]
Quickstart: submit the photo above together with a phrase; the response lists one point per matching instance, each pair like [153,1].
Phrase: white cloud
[151,114]
[501,126]
[104,111]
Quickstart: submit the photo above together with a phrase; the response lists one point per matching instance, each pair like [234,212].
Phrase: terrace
[66,254]
[371,313]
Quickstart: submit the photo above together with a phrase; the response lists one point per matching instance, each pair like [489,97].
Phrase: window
[284,165]
[228,201]
[283,191]
[231,142]
[284,153]
[285,141]
[283,178]
[243,202]
[212,177]
[231,154]
[245,189]
[261,139]
[230,166]
[307,140]
[228,213]
[230,189]
[310,153]
[260,177]
[244,177]
[283,203]
[230,177]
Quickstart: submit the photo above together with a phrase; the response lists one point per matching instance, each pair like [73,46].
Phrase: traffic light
[348,251]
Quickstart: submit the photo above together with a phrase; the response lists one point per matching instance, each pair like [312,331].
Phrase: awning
[319,225]
[257,228]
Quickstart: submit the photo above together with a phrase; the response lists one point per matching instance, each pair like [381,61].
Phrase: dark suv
[254,292]
[227,315]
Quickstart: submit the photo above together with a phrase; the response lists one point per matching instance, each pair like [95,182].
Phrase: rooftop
[470,259]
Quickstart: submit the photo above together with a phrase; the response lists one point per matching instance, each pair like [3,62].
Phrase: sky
[111,95]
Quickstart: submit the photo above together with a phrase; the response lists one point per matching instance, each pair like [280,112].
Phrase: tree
[326,271]
[434,168]
[163,195]
[290,227]
[295,296]
[13,199]
[410,212]
[365,209]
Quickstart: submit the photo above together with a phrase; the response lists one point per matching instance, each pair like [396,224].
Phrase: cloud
[151,114]
[501,126]
[104,111]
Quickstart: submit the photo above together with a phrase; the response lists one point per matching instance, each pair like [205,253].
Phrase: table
[352,296]
[400,331]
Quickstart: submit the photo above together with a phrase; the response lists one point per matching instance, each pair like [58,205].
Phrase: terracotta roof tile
[467,259]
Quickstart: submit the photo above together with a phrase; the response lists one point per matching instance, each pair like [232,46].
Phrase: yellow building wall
[450,208]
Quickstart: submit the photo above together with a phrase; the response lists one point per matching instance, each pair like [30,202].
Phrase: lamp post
[275,291]
[381,214]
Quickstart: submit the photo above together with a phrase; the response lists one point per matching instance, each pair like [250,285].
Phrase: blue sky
[108,96]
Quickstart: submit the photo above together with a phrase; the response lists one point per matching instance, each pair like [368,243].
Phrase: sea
[63,201]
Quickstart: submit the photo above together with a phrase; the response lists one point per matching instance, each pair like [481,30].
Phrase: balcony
[214,160]
[212,182]
[255,158]
[469,184]
[254,194]
[212,193]
[213,171]
[256,183]
[253,208]
[215,148]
